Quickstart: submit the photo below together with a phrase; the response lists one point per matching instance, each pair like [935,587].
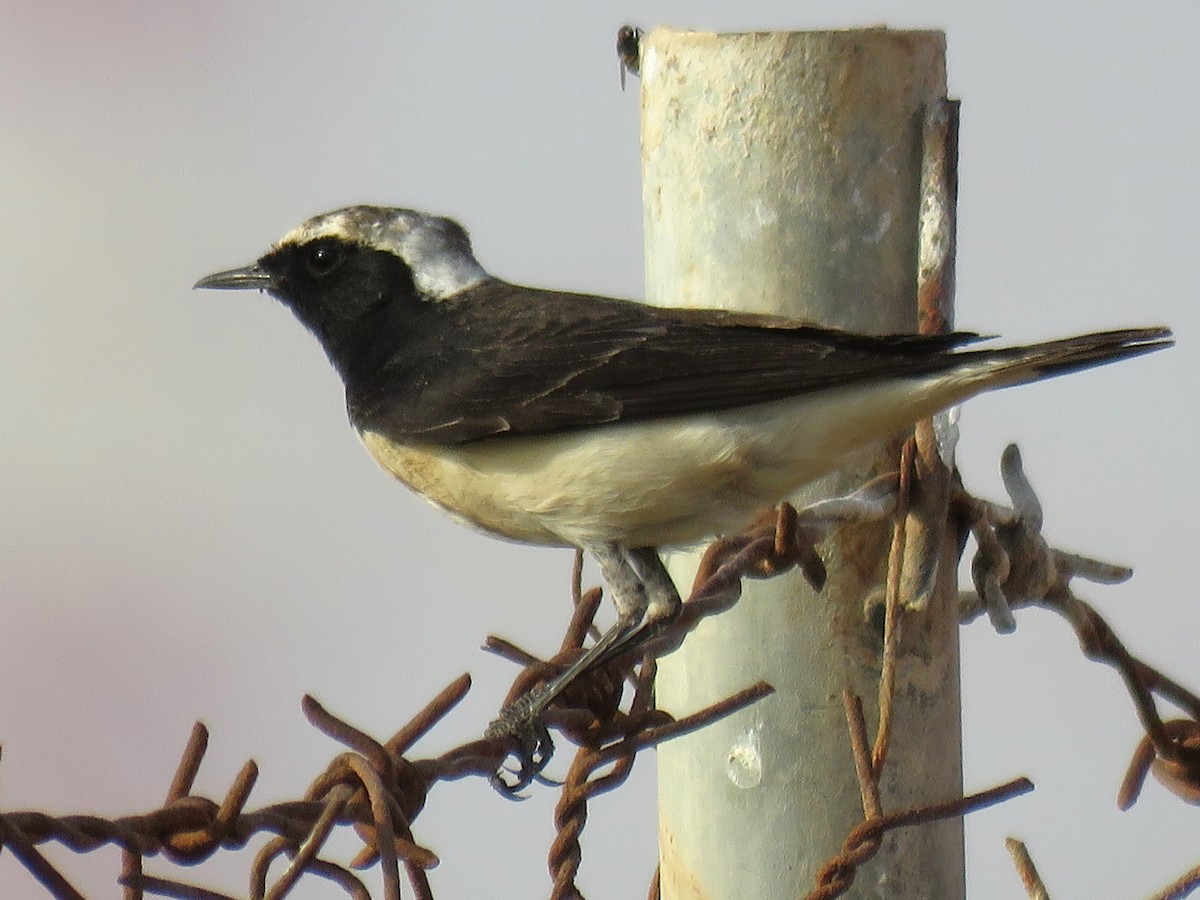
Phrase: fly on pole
[782,174]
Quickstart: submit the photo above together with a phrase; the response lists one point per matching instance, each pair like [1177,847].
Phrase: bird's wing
[516,361]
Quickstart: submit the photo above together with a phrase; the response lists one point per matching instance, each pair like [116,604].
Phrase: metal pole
[782,174]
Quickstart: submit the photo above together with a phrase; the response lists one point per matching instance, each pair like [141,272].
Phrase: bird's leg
[620,570]
[644,595]
[662,600]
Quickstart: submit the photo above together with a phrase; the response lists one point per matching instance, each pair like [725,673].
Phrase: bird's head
[339,268]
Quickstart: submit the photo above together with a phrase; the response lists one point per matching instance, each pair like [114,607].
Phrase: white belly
[668,482]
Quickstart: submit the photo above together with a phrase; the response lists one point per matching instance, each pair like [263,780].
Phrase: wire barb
[1026,870]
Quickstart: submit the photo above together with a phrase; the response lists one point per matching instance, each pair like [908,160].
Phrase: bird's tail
[1020,365]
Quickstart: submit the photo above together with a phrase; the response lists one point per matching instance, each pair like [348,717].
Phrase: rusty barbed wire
[837,875]
[1012,567]
[374,788]
[1015,567]
[1179,776]
[589,711]
[1035,889]
[1180,887]
[596,770]
[919,527]
[377,790]
[892,598]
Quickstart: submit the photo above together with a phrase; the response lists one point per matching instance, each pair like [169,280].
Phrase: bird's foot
[521,720]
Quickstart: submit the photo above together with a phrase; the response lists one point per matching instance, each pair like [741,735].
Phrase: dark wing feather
[499,359]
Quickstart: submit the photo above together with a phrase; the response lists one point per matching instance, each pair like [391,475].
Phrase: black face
[341,291]
[331,278]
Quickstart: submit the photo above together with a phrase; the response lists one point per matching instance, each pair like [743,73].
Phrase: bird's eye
[323,258]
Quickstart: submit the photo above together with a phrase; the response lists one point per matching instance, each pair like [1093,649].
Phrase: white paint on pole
[782,175]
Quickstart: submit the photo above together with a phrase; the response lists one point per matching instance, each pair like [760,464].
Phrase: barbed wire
[609,716]
[377,790]
[1035,888]
[836,876]
[1014,567]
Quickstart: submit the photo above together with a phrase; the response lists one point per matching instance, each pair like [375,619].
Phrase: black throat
[360,303]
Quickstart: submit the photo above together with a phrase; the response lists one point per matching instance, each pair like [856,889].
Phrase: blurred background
[189,529]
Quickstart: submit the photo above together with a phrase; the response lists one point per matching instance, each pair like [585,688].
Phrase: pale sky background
[189,529]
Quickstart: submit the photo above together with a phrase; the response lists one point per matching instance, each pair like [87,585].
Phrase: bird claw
[521,720]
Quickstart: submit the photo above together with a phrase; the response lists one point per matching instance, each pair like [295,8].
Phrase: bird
[603,424]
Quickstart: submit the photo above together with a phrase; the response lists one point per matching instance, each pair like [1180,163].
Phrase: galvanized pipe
[782,174]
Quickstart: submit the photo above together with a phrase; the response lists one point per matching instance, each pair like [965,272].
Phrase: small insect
[629,40]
